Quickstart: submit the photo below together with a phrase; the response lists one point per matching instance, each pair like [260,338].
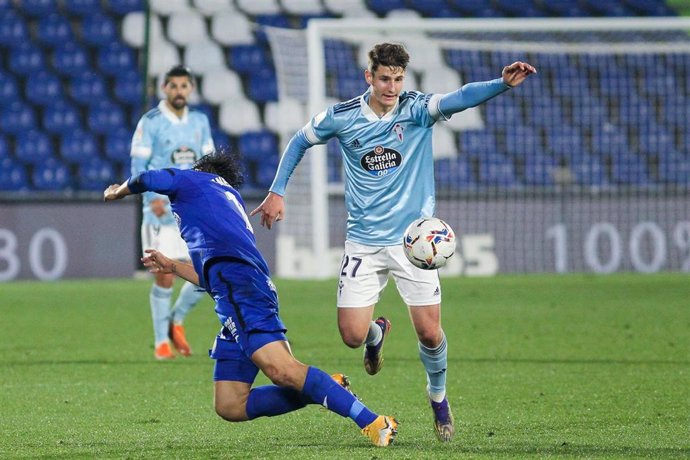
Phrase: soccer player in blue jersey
[385,139]
[228,265]
[170,135]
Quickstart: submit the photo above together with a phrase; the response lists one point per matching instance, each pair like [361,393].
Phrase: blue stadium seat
[590,112]
[129,87]
[432,8]
[258,145]
[4,148]
[523,141]
[9,89]
[635,111]
[53,175]
[34,147]
[71,59]
[659,83]
[334,160]
[43,88]
[37,8]
[13,177]
[501,112]
[564,140]
[475,8]
[588,171]
[303,19]
[609,139]
[26,58]
[82,7]
[61,117]
[105,116]
[629,169]
[674,169]
[464,59]
[569,81]
[17,117]
[95,174]
[650,7]
[206,109]
[117,146]
[53,30]
[653,139]
[339,55]
[266,171]
[566,9]
[98,29]
[454,174]
[495,170]
[381,7]
[13,29]
[350,87]
[539,170]
[221,140]
[608,8]
[88,88]
[122,7]
[478,143]
[271,20]
[247,59]
[520,8]
[263,87]
[116,58]
[78,147]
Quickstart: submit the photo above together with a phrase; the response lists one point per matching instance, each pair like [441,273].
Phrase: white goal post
[310,239]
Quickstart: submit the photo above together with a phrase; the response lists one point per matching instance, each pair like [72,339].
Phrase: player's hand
[158,207]
[157,262]
[515,73]
[272,209]
[110,193]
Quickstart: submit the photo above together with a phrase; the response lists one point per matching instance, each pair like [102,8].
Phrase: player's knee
[430,338]
[231,411]
[352,338]
[280,375]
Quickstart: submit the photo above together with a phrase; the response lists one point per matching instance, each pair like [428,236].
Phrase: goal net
[583,168]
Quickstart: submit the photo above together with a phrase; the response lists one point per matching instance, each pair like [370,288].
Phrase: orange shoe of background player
[179,340]
[163,352]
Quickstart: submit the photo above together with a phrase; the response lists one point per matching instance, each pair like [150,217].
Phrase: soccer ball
[429,243]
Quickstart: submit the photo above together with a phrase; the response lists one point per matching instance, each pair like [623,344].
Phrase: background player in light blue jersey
[227,263]
[170,135]
[385,139]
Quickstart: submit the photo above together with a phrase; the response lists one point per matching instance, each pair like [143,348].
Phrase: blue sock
[322,389]
[435,362]
[160,312]
[271,400]
[189,296]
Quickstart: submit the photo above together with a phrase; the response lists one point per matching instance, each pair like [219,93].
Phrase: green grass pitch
[540,366]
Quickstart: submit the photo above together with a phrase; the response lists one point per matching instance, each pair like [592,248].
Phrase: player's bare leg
[357,328]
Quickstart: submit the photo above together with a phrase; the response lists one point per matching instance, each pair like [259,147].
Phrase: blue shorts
[247,307]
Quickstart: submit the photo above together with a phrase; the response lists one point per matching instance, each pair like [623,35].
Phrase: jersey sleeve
[207,145]
[469,95]
[421,109]
[162,181]
[322,127]
[142,144]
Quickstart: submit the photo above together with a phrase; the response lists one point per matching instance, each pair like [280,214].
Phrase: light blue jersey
[389,169]
[163,140]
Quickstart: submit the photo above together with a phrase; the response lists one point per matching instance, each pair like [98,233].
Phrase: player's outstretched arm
[116,192]
[515,73]
[272,209]
[157,262]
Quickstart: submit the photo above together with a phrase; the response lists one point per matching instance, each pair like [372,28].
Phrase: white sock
[375,334]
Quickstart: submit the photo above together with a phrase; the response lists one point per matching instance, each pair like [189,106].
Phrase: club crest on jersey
[381,161]
[399,131]
[183,157]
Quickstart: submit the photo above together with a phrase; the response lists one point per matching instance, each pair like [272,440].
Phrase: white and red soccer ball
[428,243]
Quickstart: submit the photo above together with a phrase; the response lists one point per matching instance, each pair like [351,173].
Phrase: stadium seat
[438,79]
[523,141]
[589,112]
[82,7]
[674,169]
[187,27]
[231,28]
[520,8]
[495,170]
[34,147]
[98,29]
[475,8]
[13,29]
[13,177]
[219,85]
[204,56]
[629,169]
[246,59]
[564,140]
[4,148]
[452,174]
[61,117]
[653,138]
[88,88]
[26,58]
[303,7]
[105,116]
[129,87]
[256,7]
[163,55]
[70,59]
[343,7]
[9,88]
[608,8]
[650,7]
[444,142]
[53,175]
[258,145]
[95,175]
[122,7]
[115,59]
[609,139]
[78,146]
[287,115]
[478,143]
[133,27]
[239,115]
[211,8]
[539,170]
[502,112]
[169,7]
[37,8]
[43,88]
[222,141]
[588,171]
[565,8]
[17,117]
[117,146]
[263,87]
[53,30]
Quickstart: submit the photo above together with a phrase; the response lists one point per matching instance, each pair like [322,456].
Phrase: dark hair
[179,71]
[388,55]
[222,163]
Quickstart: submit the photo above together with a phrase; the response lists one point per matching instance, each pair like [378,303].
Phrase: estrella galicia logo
[183,158]
[381,161]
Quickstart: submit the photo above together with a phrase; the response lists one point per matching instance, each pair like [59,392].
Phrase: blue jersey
[210,214]
[388,161]
[163,140]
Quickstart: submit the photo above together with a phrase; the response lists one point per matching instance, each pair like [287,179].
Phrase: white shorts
[364,274]
[164,238]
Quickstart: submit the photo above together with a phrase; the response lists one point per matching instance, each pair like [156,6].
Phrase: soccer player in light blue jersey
[228,265]
[170,135]
[385,139]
